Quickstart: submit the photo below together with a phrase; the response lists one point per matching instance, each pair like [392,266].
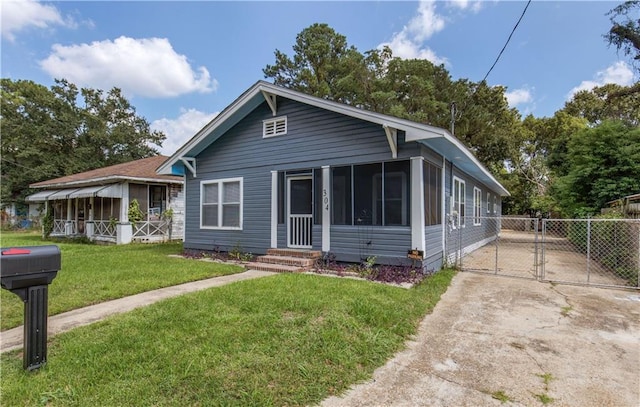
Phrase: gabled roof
[139,170]
[436,138]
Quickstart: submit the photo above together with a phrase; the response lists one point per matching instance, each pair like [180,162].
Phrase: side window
[477,205]
[221,204]
[458,201]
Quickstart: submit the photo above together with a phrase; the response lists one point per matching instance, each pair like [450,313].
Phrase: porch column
[326,209]
[89,229]
[274,209]
[417,204]
[68,227]
[124,230]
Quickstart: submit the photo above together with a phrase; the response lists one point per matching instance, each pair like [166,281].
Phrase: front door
[300,211]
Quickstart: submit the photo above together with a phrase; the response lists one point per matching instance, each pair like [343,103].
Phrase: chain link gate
[595,252]
[496,245]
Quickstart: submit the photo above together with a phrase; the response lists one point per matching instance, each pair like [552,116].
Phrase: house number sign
[325,199]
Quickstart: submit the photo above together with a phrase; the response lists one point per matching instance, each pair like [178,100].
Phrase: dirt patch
[494,340]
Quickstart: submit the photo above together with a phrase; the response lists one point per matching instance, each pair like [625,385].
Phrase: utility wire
[508,39]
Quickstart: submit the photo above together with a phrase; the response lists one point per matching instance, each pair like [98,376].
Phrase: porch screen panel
[231,204]
[432,194]
[140,192]
[397,193]
[210,205]
[367,194]
[97,209]
[281,177]
[317,196]
[341,196]
[157,199]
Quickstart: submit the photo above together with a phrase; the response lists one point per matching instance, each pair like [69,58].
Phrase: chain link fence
[602,252]
[597,252]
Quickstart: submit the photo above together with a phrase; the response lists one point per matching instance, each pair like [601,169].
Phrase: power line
[508,39]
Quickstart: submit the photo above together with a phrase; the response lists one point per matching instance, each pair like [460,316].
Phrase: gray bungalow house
[95,203]
[279,169]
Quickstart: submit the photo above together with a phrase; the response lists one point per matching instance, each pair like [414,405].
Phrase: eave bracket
[271,101]
[190,163]
[392,138]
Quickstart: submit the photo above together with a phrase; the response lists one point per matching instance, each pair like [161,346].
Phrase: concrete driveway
[496,340]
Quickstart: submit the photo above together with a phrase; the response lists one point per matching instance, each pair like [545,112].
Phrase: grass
[566,310]
[93,273]
[290,339]
[501,396]
[544,398]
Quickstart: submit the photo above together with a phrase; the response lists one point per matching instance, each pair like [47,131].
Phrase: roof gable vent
[274,127]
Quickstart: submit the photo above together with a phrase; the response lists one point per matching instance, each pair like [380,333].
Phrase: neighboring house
[282,169]
[629,206]
[96,203]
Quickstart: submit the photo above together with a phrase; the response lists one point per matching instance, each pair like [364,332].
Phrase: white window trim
[458,219]
[220,203]
[477,206]
[488,202]
[274,121]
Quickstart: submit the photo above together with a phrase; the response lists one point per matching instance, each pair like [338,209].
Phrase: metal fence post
[588,249]
[542,260]
[497,244]
[535,249]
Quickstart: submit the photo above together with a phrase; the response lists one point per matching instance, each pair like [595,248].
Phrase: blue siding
[355,244]
[315,137]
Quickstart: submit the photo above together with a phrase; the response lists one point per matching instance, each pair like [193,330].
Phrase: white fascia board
[165,168]
[107,180]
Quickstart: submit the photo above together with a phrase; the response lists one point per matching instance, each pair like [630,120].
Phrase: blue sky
[180,63]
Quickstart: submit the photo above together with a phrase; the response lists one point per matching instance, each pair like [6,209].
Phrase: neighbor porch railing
[104,228]
[151,229]
[64,227]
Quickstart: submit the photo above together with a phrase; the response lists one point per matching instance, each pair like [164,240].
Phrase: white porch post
[274,209]
[124,230]
[326,209]
[417,204]
[89,224]
[444,208]
[68,226]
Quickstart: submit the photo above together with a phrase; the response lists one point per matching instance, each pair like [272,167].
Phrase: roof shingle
[139,169]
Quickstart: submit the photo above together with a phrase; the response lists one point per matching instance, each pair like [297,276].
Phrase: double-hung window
[458,202]
[477,205]
[488,202]
[221,204]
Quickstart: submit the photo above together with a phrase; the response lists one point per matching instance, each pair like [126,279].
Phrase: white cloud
[473,5]
[19,15]
[426,23]
[619,73]
[180,130]
[407,49]
[408,43]
[519,96]
[147,67]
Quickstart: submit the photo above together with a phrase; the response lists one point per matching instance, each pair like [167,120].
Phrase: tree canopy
[47,134]
[324,65]
[625,30]
[537,159]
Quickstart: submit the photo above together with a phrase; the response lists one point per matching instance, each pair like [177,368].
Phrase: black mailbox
[27,272]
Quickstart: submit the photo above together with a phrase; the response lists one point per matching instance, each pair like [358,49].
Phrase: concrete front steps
[285,261]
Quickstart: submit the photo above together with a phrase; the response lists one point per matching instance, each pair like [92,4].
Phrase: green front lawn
[289,339]
[95,273]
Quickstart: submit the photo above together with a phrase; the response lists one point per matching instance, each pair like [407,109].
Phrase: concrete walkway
[13,338]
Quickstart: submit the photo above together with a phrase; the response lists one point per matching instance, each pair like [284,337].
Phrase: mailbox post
[27,272]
